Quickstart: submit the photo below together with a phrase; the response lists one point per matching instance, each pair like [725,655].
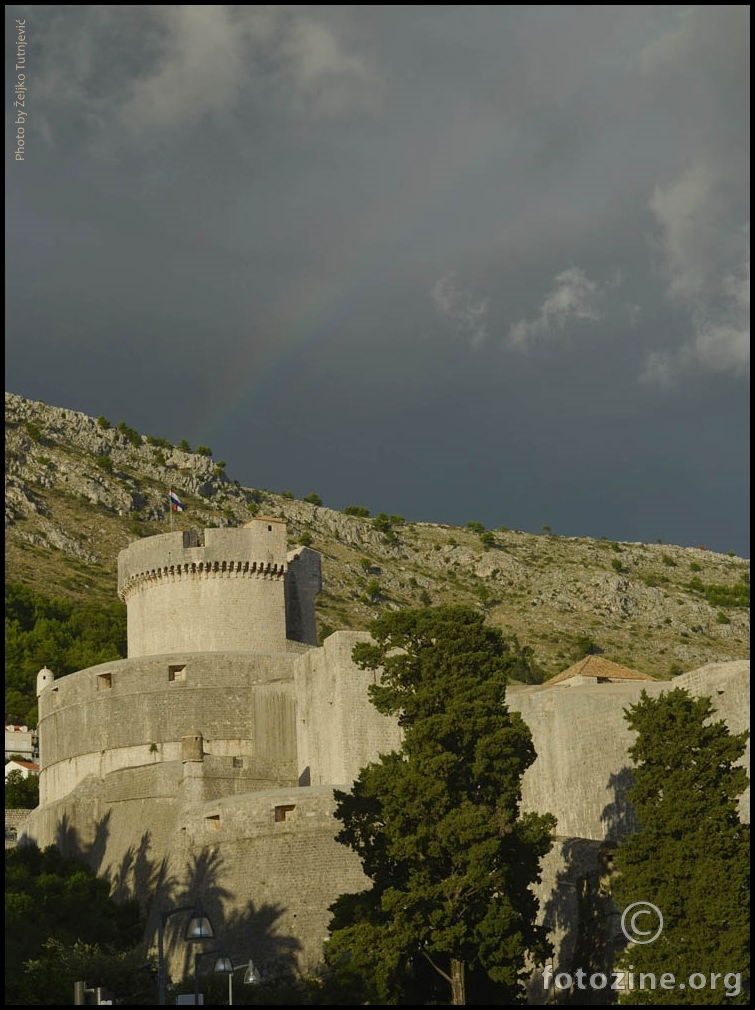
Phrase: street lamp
[198,927]
[223,966]
[251,977]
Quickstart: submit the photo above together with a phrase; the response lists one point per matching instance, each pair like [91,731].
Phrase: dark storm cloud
[481,262]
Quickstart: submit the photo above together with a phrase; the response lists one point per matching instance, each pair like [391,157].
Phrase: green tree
[437,824]
[21,792]
[53,905]
[690,857]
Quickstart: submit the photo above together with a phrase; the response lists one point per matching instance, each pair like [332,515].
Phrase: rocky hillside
[79,489]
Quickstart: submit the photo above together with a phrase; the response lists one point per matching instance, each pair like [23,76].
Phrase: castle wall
[303,583]
[582,741]
[338,730]
[283,867]
[212,591]
[134,713]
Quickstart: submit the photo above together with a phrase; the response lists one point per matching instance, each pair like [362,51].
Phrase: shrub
[105,463]
[305,539]
[668,561]
[103,421]
[203,450]
[33,432]
[313,499]
[476,527]
[357,510]
[288,495]
[163,443]
[487,539]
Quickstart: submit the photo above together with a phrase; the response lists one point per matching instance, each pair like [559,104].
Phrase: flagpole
[170,509]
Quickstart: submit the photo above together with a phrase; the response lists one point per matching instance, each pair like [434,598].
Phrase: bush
[33,432]
[203,450]
[357,510]
[313,499]
[163,443]
[105,463]
[103,421]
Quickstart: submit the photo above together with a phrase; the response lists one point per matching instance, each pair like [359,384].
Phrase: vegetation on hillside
[56,633]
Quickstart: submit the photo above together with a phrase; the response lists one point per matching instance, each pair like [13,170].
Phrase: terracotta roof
[30,766]
[596,666]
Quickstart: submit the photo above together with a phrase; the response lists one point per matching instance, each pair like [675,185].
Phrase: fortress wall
[303,583]
[582,741]
[214,591]
[282,870]
[338,729]
[135,712]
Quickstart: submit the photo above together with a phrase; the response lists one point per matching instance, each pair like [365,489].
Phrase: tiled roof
[596,666]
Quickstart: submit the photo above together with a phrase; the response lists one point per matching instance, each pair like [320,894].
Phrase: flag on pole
[175,502]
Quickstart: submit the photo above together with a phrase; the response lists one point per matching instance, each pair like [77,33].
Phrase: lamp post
[223,966]
[198,928]
[251,977]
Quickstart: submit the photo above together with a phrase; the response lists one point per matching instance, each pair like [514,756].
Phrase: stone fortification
[337,733]
[582,741]
[219,591]
[204,764]
[135,713]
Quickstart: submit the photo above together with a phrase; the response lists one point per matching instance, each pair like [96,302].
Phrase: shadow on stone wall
[248,934]
[618,816]
[580,914]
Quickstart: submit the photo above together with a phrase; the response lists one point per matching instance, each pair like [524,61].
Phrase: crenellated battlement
[202,569]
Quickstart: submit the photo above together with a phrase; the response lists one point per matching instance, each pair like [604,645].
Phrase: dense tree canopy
[60,634]
[437,824]
[690,857]
[61,926]
[21,791]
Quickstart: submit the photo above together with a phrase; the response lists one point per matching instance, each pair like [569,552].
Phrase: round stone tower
[215,590]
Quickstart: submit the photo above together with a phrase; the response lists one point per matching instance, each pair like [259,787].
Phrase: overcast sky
[461,263]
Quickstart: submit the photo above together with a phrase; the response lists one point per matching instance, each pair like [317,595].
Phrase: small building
[21,740]
[26,768]
[596,670]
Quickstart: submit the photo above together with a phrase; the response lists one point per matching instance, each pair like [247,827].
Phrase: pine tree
[690,857]
[438,824]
